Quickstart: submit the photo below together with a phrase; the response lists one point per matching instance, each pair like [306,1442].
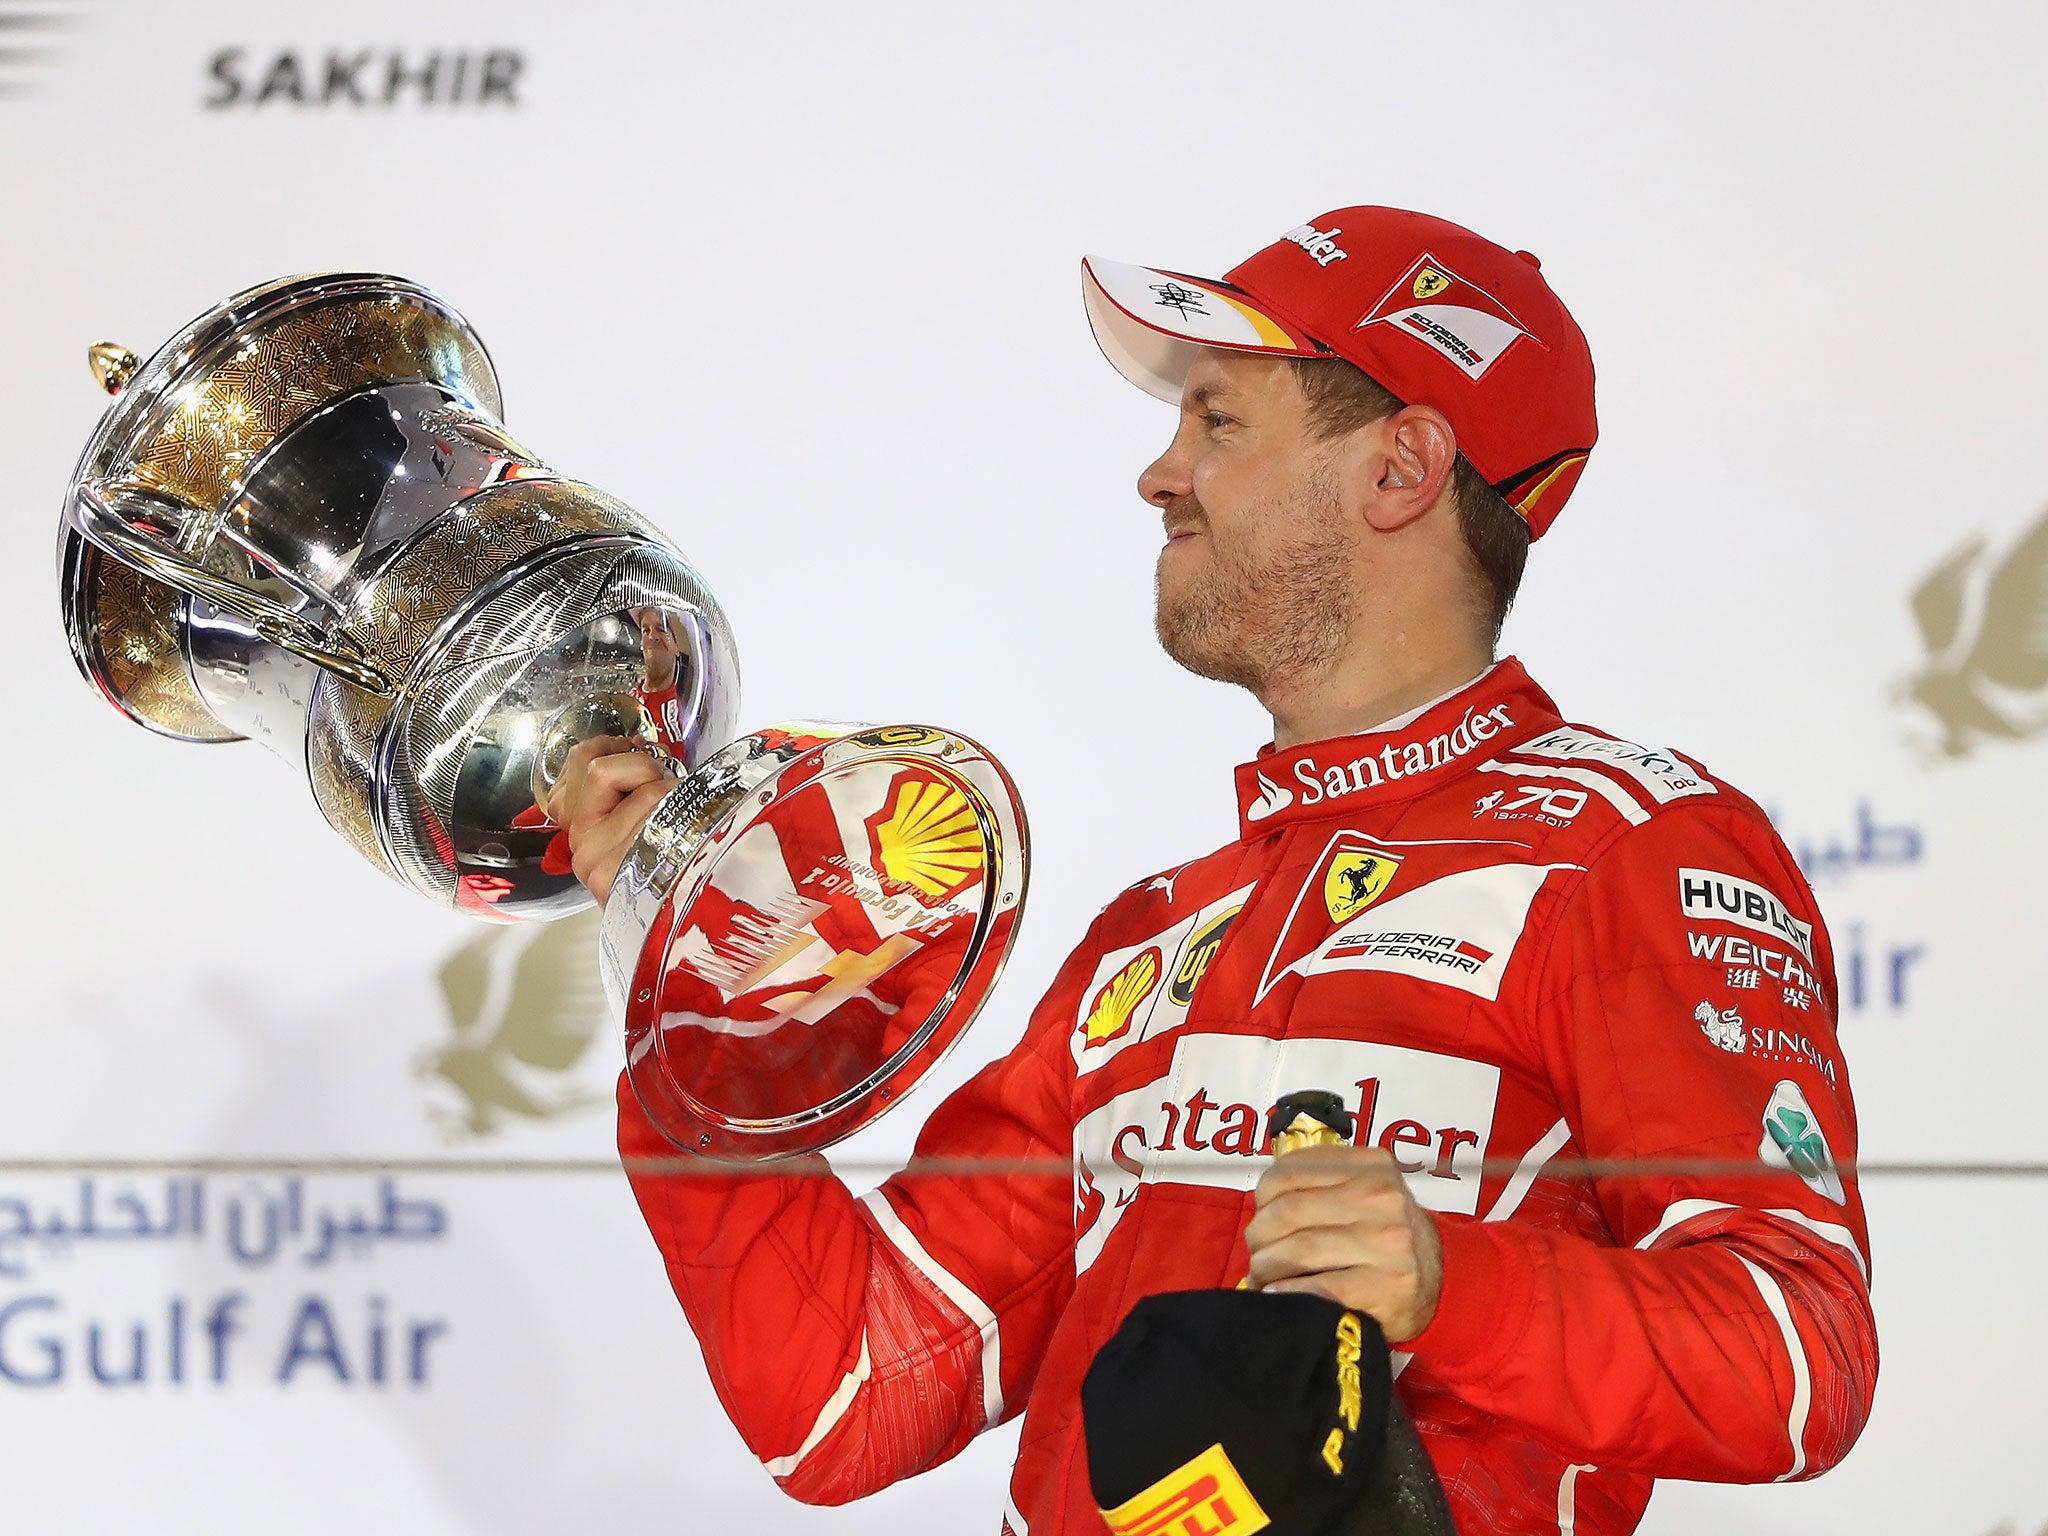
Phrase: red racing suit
[1578,988]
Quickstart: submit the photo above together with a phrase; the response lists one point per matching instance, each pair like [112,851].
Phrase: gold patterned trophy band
[194,443]
[280,372]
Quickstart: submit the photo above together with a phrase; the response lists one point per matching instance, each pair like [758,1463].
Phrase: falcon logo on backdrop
[30,31]
[370,78]
[1984,623]
[524,1005]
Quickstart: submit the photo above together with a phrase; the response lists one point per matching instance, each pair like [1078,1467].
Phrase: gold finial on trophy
[112,364]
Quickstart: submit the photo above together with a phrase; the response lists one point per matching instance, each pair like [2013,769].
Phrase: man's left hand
[1340,1222]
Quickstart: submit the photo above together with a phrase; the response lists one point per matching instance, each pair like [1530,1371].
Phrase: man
[1577,996]
[660,655]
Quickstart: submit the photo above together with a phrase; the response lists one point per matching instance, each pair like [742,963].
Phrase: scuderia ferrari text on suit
[1517,946]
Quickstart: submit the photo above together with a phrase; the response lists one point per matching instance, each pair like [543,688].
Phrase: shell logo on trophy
[303,522]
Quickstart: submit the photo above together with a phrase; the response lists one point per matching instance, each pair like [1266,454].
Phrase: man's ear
[1400,465]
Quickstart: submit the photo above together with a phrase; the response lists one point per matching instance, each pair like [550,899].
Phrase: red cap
[1432,311]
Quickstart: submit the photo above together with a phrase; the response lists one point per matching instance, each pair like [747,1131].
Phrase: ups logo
[524,1005]
[1984,623]
[1201,952]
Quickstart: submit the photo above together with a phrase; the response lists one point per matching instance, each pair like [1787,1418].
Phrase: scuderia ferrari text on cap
[1438,315]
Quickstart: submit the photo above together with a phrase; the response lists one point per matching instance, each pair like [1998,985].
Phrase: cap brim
[1151,323]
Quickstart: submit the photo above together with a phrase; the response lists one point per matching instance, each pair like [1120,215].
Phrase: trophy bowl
[302,522]
[804,927]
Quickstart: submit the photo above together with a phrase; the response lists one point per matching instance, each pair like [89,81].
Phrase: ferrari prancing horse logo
[1355,881]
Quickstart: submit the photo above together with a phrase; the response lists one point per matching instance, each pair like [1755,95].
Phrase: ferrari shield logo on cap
[1458,320]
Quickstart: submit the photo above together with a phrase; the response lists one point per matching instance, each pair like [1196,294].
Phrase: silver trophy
[303,522]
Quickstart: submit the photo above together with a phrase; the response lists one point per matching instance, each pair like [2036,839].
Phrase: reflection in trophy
[303,522]
[805,925]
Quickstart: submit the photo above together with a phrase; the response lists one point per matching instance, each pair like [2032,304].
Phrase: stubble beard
[1266,620]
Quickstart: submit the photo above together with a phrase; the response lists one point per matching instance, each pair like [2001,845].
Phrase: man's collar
[1397,761]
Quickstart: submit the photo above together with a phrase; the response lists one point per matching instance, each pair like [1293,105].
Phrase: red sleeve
[856,1342]
[1686,1013]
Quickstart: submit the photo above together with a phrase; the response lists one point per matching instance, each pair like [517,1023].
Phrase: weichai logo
[1110,1011]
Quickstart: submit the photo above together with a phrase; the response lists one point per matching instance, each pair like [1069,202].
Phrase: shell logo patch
[1109,1014]
[931,840]
[1355,880]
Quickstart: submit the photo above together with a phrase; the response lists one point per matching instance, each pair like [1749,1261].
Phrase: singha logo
[1985,625]
[1723,1028]
[524,1004]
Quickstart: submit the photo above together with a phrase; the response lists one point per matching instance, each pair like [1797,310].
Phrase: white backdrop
[800,283]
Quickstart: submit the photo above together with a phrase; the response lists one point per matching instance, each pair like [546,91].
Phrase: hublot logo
[364,78]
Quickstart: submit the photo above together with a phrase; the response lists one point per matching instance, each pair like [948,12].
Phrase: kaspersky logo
[1793,1139]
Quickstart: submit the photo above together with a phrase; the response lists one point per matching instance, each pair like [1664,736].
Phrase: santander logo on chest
[1202,1121]
[1325,778]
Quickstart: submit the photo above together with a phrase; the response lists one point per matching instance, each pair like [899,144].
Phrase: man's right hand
[606,792]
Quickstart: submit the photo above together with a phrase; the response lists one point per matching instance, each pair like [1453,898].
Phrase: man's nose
[1167,478]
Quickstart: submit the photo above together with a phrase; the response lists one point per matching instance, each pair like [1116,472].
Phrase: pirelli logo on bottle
[1205,1495]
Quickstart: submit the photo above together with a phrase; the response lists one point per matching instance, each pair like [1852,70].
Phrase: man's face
[658,648]
[1256,582]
